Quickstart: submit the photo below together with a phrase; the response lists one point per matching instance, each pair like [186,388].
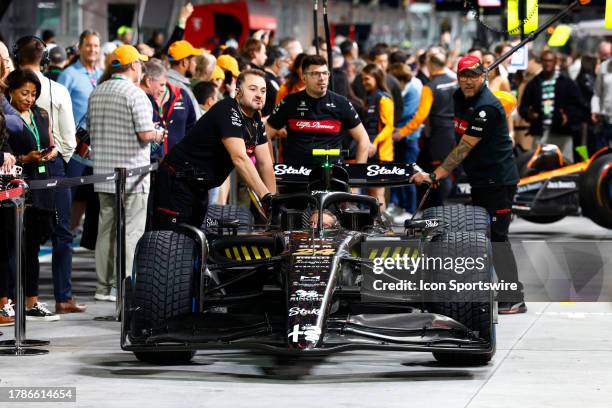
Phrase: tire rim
[604,188]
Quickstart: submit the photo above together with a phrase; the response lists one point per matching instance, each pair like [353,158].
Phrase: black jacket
[567,98]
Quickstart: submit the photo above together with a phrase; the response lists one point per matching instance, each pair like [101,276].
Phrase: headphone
[23,41]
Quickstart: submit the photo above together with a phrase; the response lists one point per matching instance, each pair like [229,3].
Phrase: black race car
[305,282]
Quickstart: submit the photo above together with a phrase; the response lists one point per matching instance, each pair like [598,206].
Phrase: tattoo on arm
[458,154]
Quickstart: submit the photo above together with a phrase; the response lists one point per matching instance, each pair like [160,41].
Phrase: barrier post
[17,345]
[120,181]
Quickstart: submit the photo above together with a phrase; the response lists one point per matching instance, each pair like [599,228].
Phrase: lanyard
[117,77]
[33,128]
[92,79]
[160,108]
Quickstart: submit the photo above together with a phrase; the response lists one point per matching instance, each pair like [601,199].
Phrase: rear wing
[360,175]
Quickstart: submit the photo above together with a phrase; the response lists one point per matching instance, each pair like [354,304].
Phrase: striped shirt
[117,110]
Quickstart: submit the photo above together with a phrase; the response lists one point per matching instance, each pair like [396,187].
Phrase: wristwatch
[433,176]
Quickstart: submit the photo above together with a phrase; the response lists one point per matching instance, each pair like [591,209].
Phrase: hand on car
[420,178]
[372,151]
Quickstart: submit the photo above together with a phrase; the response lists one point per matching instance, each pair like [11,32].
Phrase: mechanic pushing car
[316,118]
[230,135]
[484,148]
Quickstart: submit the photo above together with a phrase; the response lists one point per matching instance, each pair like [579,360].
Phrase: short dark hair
[30,51]
[88,33]
[274,53]
[398,56]
[243,75]
[19,78]
[346,47]
[376,51]
[312,60]
[204,90]
[47,35]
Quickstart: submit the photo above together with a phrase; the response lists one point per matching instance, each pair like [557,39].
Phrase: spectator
[276,69]
[144,49]
[205,65]
[48,37]
[207,94]
[156,42]
[604,50]
[378,55]
[551,103]
[172,106]
[435,105]
[33,148]
[496,81]
[378,123]
[398,56]
[55,99]
[229,65]
[6,58]
[293,48]
[294,82]
[182,67]
[57,62]
[12,119]
[422,72]
[353,69]
[477,52]
[601,103]
[254,51]
[218,77]
[349,50]
[125,35]
[404,198]
[120,126]
[586,84]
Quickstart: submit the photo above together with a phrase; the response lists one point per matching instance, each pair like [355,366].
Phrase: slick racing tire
[163,288]
[542,219]
[596,191]
[227,213]
[461,218]
[473,309]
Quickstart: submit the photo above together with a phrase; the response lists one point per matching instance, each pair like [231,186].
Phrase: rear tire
[228,213]
[163,279]
[461,218]
[471,308]
[596,191]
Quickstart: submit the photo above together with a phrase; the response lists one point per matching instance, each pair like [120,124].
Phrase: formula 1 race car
[304,283]
[550,189]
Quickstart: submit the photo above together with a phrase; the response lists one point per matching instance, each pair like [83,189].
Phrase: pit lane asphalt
[556,355]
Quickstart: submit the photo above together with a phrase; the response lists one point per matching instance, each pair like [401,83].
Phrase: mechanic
[315,118]
[230,135]
[484,148]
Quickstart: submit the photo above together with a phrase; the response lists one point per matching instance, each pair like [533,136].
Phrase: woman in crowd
[33,149]
[294,81]
[496,81]
[378,121]
[407,149]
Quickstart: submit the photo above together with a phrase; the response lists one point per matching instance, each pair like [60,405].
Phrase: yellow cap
[182,49]
[217,73]
[507,100]
[126,54]
[228,63]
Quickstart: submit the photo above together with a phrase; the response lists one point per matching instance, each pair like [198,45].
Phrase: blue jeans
[405,151]
[61,236]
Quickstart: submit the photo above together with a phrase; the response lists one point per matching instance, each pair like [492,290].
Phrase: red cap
[470,62]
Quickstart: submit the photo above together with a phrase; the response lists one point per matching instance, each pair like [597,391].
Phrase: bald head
[604,51]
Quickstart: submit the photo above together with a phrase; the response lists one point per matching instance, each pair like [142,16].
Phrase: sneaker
[112,297]
[99,296]
[39,312]
[393,210]
[511,307]
[7,314]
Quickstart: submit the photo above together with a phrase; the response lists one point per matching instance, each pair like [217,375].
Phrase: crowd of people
[92,107]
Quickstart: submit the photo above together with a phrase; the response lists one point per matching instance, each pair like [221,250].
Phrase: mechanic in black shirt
[315,118]
[229,135]
[484,148]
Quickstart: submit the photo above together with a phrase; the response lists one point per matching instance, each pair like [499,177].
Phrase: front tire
[596,191]
[461,218]
[470,308]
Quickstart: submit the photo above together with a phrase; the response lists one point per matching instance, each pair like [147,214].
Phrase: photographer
[230,135]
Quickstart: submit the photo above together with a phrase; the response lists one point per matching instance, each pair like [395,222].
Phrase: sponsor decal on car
[560,185]
[310,333]
[376,170]
[304,296]
[297,311]
[283,169]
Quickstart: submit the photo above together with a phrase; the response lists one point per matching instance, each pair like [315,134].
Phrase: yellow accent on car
[326,152]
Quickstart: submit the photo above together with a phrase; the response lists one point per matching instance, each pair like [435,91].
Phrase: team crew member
[378,122]
[230,135]
[485,151]
[436,105]
[315,117]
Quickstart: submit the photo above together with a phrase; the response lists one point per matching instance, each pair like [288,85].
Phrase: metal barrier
[21,346]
